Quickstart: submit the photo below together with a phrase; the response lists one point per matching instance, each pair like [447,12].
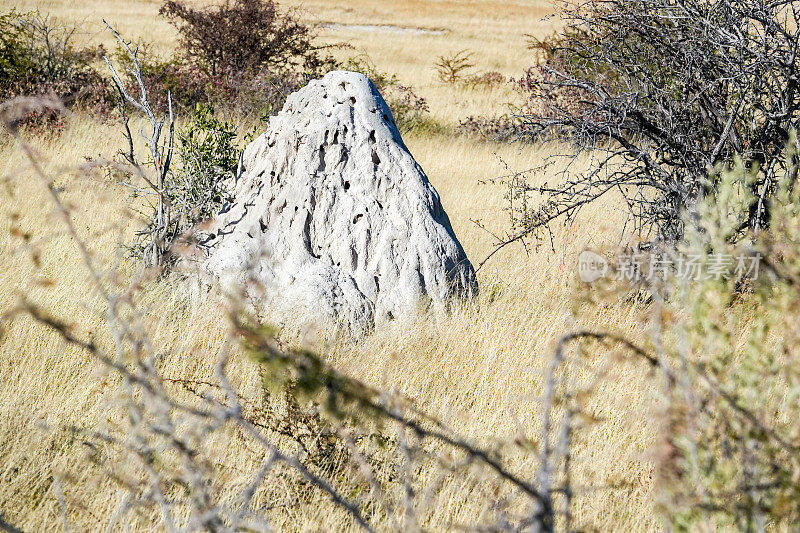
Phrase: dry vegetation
[479,369]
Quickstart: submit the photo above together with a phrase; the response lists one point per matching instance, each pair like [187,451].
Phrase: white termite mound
[332,220]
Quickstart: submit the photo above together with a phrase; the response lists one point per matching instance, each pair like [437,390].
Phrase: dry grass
[469,369]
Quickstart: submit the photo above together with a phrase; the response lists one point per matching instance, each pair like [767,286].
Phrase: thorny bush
[658,92]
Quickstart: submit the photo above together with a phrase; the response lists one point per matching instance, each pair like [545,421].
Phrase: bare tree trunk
[161,156]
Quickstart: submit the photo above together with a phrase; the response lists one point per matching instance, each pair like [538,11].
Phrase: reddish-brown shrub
[487,79]
[243,35]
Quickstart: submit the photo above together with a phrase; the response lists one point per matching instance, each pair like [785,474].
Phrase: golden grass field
[468,369]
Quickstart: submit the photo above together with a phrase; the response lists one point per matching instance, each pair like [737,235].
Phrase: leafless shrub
[160,154]
[660,91]
[452,68]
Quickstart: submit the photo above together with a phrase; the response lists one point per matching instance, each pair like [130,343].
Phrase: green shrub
[196,186]
[735,351]
[208,158]
[726,350]
[15,57]
[37,58]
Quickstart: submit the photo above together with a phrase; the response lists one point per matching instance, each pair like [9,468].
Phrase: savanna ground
[479,369]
